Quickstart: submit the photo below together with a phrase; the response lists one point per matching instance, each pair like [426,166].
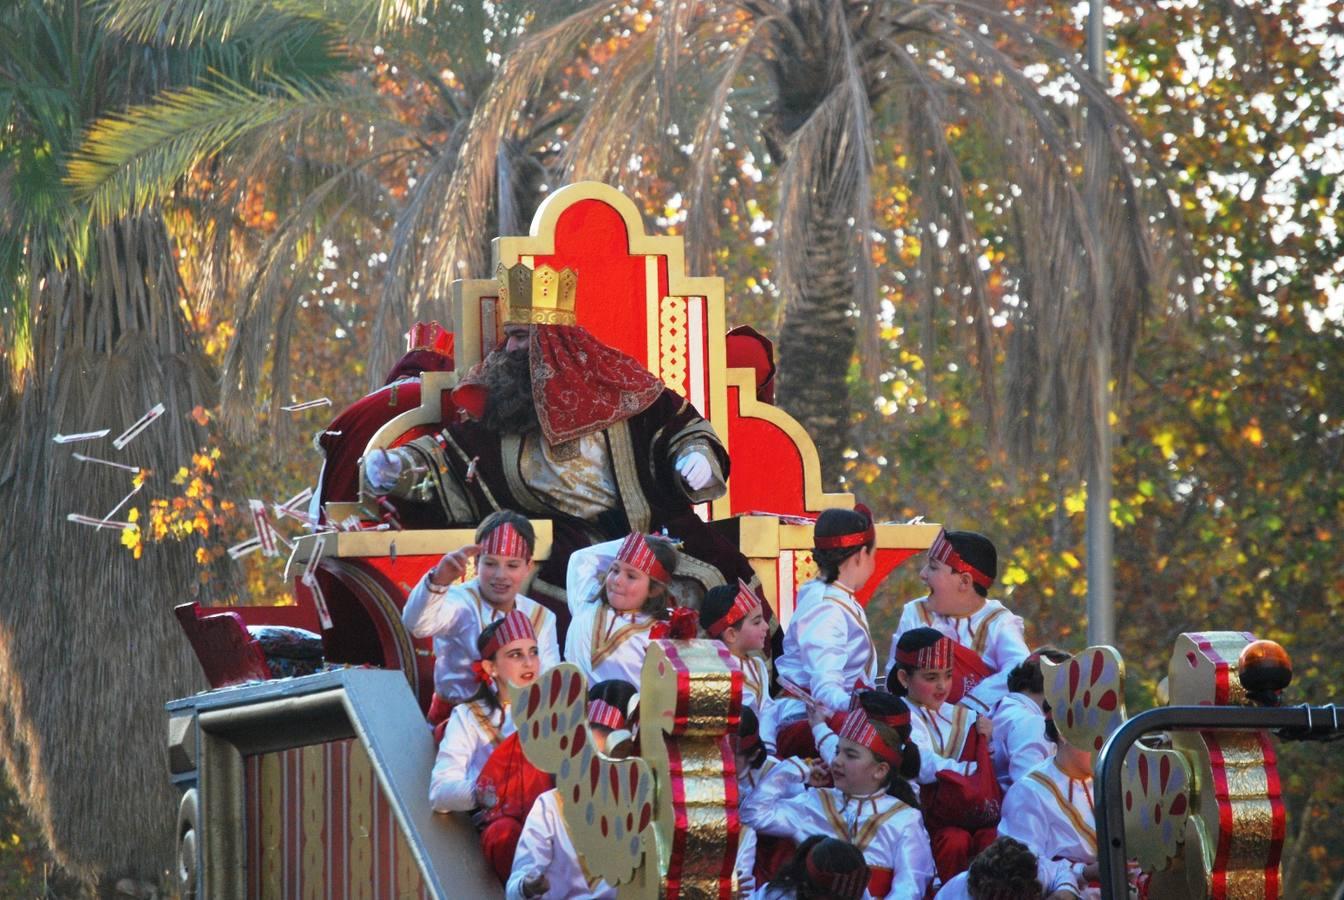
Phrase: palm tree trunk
[816,342]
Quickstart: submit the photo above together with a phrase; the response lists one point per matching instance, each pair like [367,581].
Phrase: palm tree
[816,86]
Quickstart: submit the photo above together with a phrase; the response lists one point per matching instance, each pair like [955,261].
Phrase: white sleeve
[452,784]
[769,808]
[587,567]
[1024,739]
[428,613]
[825,653]
[930,762]
[547,643]
[827,742]
[912,868]
[1009,645]
[746,855]
[536,848]
[1023,819]
[579,641]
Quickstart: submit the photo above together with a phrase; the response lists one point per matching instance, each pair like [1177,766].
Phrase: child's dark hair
[718,601]
[1026,677]
[882,704]
[665,551]
[508,517]
[748,726]
[615,692]
[977,550]
[837,523]
[1005,870]
[485,691]
[910,641]
[829,855]
[1051,730]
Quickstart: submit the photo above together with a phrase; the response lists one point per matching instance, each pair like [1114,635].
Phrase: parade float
[316,785]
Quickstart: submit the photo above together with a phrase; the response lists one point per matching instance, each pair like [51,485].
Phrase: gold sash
[489,614]
[485,721]
[1071,812]
[603,644]
[979,637]
[866,832]
[871,665]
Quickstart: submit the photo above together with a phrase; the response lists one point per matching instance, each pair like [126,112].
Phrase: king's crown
[540,296]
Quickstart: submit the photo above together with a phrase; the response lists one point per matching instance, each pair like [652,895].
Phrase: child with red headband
[822,868]
[871,805]
[960,569]
[828,649]
[612,617]
[545,863]
[454,614]
[508,657]
[1019,743]
[735,615]
[960,801]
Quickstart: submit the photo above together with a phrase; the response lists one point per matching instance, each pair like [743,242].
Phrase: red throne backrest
[227,653]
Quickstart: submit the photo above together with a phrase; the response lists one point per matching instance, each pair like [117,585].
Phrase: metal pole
[1107,786]
[1100,534]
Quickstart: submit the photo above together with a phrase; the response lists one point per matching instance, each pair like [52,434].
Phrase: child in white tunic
[1050,809]
[1008,870]
[545,863]
[820,867]
[960,569]
[871,806]
[454,614]
[735,615]
[508,651]
[1019,741]
[615,607]
[828,649]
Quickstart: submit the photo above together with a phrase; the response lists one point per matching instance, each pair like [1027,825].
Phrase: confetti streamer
[82,436]
[308,404]
[265,533]
[116,509]
[299,499]
[133,432]
[106,462]
[238,551]
[310,579]
[98,523]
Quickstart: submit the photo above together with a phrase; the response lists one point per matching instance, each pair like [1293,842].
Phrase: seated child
[753,762]
[508,657]
[871,805]
[1050,809]
[822,868]
[828,650]
[545,864]
[609,632]
[1008,870]
[1019,743]
[454,614]
[960,569]
[735,615]
[950,739]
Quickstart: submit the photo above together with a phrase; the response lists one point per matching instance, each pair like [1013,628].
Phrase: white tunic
[756,697]
[455,618]
[1052,814]
[606,644]
[941,737]
[1019,740]
[544,847]
[472,733]
[827,649]
[890,833]
[992,631]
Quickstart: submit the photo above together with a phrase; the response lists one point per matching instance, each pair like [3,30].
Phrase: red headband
[514,627]
[744,604]
[943,551]
[859,729]
[604,715]
[843,885]
[505,540]
[635,552]
[845,541]
[938,655]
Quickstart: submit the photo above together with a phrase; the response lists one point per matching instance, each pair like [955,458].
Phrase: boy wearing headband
[735,615]
[959,571]
[454,614]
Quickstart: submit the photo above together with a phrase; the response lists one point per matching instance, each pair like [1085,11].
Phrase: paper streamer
[141,424]
[82,436]
[307,404]
[238,551]
[116,509]
[310,579]
[265,533]
[98,523]
[106,462]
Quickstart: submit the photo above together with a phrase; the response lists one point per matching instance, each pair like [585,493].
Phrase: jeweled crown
[430,336]
[540,296]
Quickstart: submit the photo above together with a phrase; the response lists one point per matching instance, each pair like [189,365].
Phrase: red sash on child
[961,812]
[968,670]
[879,881]
[516,784]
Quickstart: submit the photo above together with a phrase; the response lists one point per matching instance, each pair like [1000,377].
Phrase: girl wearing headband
[1018,741]
[453,614]
[959,571]
[508,657]
[735,615]
[822,868]
[612,617]
[949,739]
[545,863]
[872,804]
[828,649]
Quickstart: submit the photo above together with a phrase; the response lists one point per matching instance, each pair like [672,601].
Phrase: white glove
[695,470]
[381,470]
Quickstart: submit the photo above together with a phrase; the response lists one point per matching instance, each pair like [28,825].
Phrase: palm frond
[185,22]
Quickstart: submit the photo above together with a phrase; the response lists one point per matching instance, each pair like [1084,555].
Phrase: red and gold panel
[318,825]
